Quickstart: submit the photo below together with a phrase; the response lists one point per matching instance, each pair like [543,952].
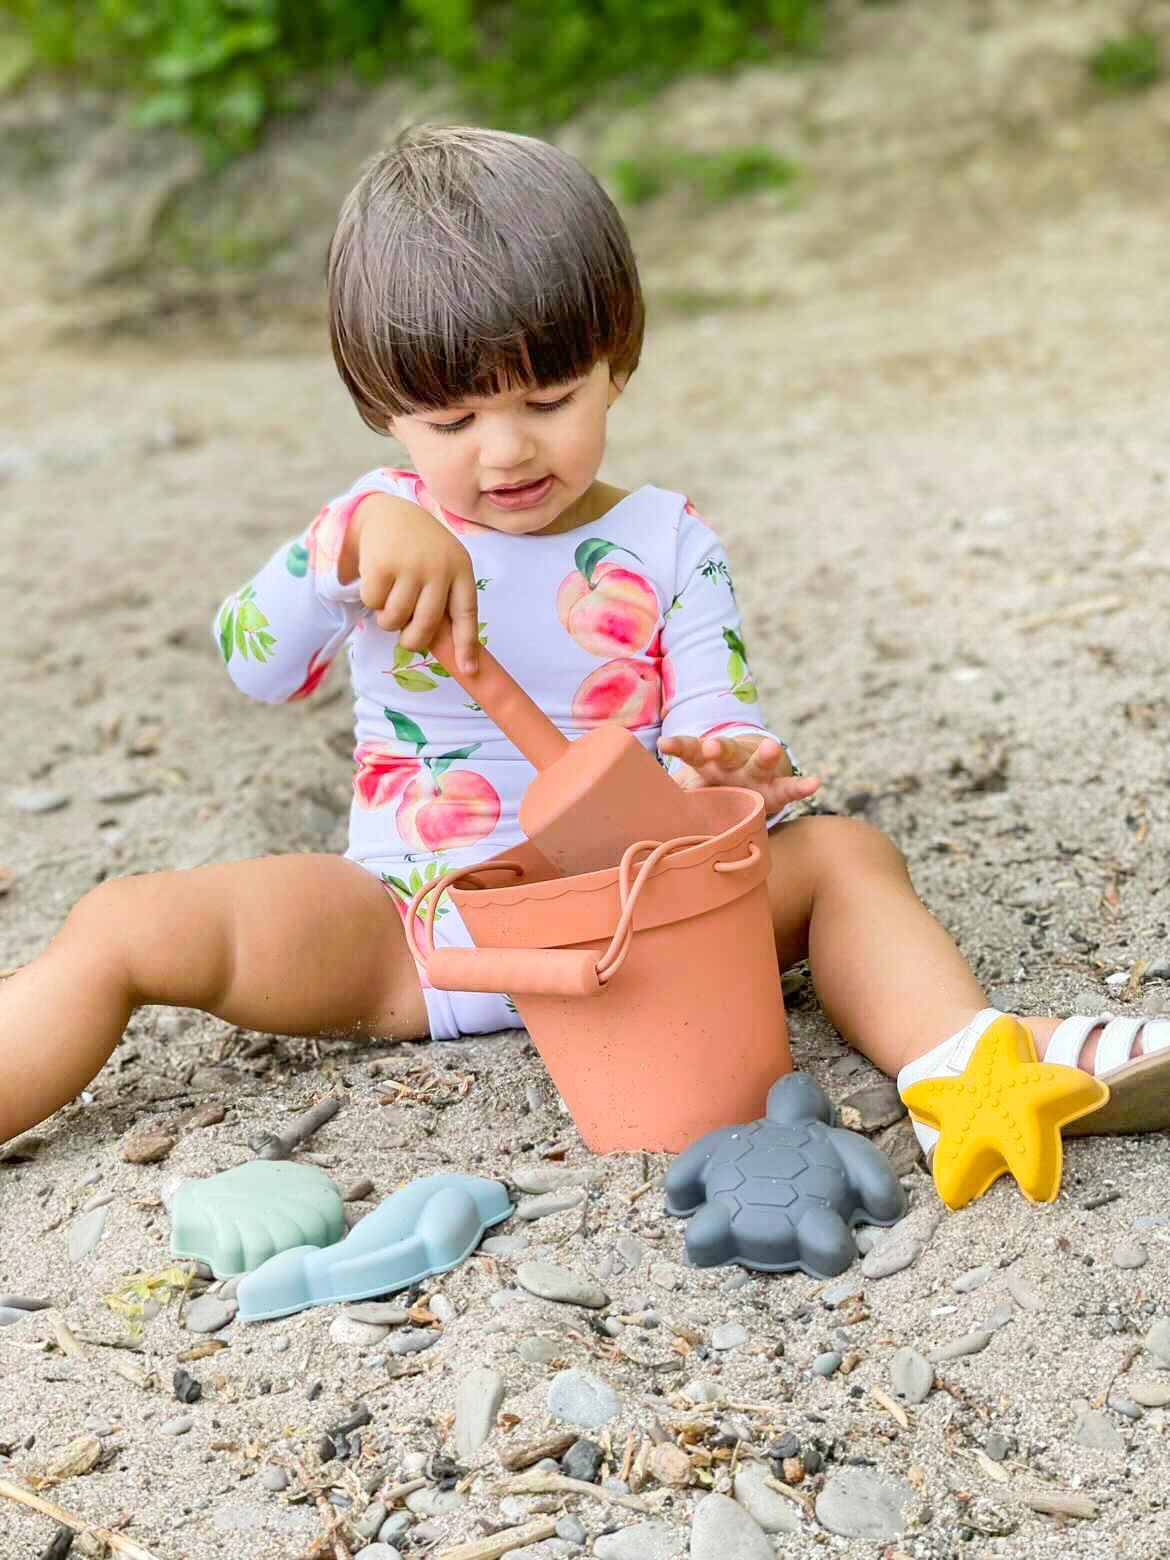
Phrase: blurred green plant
[717,176]
[220,68]
[1127,63]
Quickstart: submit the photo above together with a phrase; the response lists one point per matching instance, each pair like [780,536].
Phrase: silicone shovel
[591,798]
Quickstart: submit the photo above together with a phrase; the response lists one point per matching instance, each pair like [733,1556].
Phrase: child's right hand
[412,573]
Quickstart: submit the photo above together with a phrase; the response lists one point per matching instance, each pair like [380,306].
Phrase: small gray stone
[413,1340]
[723,1530]
[532,1208]
[1097,1432]
[973,1279]
[24,1303]
[1157,1340]
[704,1391]
[893,1255]
[378,1551]
[729,1335]
[372,1519]
[274,1479]
[583,1460]
[38,801]
[631,1250]
[85,1232]
[396,1526]
[858,1504]
[354,1333]
[10,1314]
[540,1351]
[866,1238]
[1130,1256]
[665,1275]
[836,1294]
[640,1541]
[550,1282]
[177,1426]
[997,1446]
[827,1364]
[572,1531]
[877,1105]
[578,1398]
[1027,1298]
[477,1402]
[443,1309]
[1125,1405]
[553,1178]
[958,1348]
[209,1313]
[281,1343]
[764,1505]
[433,1502]
[380,1312]
[911,1376]
[504,1245]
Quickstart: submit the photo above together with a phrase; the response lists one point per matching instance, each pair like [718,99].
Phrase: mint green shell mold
[237,1220]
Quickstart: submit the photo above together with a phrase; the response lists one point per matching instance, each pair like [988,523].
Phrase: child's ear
[617,383]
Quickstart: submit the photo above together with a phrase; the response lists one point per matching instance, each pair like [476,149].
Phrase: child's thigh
[299,944]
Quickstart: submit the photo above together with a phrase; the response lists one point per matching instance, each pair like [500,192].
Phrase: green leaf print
[589,555]
[402,657]
[746,693]
[736,668]
[406,891]
[715,569]
[296,560]
[439,766]
[733,642]
[415,681]
[482,584]
[738,673]
[675,604]
[227,631]
[243,627]
[405,729]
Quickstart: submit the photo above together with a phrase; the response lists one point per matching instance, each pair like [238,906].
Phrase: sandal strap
[1156,1035]
[1115,1047]
[1064,1048]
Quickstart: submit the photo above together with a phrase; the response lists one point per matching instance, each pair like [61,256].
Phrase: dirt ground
[937,456]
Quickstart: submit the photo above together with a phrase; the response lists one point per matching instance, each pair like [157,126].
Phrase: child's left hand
[756,763]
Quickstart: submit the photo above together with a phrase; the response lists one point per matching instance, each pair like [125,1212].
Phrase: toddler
[485,310]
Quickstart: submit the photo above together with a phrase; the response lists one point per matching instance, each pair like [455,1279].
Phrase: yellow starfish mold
[1002,1116]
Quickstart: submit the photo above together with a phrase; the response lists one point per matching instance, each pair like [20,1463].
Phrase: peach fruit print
[609,610]
[626,691]
[243,627]
[313,676]
[439,808]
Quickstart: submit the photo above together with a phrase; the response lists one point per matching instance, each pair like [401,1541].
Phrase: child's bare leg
[288,944]
[889,978]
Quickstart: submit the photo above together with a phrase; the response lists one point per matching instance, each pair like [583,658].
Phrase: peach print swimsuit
[631,618]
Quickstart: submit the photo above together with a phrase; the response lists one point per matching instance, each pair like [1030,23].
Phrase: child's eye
[552,406]
[536,406]
[450,427]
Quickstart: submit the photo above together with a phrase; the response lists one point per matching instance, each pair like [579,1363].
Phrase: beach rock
[973,1279]
[539,1351]
[177,1426]
[911,1376]
[380,1312]
[1025,1296]
[355,1333]
[504,1246]
[209,1313]
[640,1541]
[86,1231]
[730,1335]
[433,1502]
[856,1503]
[764,1505]
[670,1465]
[578,1398]
[571,1531]
[1157,1340]
[827,1364]
[414,1340]
[583,1460]
[274,1479]
[550,1282]
[894,1254]
[553,1178]
[378,1551]
[722,1529]
[871,1109]
[1130,1256]
[477,1402]
[533,1208]
[1097,1432]
[958,1348]
[38,800]
[145,1148]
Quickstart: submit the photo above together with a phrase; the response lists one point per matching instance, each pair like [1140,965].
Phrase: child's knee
[851,847]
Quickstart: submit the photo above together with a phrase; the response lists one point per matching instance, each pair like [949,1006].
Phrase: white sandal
[1139,1086]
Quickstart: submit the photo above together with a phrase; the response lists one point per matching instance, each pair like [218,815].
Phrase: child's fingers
[429,611]
[398,608]
[722,753]
[763,762]
[463,609]
[689,749]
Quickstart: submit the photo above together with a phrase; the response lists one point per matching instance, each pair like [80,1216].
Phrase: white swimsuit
[632,618]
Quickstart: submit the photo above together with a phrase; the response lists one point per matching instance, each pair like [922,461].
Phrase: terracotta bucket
[650,989]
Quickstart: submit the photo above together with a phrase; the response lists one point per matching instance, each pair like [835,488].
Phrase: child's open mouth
[525,496]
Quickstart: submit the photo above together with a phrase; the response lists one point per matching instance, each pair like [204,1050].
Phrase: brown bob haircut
[467,261]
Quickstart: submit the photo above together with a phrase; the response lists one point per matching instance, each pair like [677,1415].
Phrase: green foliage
[717,176]
[1127,63]
[221,67]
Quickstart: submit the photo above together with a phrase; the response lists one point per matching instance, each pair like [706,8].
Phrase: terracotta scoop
[591,798]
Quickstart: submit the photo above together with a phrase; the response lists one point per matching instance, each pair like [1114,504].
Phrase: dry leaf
[75,1459]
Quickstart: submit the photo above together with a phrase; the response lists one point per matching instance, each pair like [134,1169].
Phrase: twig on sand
[331,1539]
[501,1543]
[557,1483]
[280,1145]
[115,1541]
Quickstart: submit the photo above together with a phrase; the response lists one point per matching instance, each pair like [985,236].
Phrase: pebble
[958,1348]
[838,1294]
[355,1333]
[433,1502]
[380,1312]
[378,1551]
[371,1519]
[504,1246]
[729,1335]
[553,1178]
[631,1250]
[396,1526]
[827,1364]
[973,1279]
[359,1190]
[1097,1432]
[145,1148]
[1130,1257]
[764,1505]
[997,1446]
[703,1390]
[583,1460]
[723,1529]
[209,1313]
[665,1275]
[1157,1340]
[866,1238]
[1027,1298]
[578,1398]
[413,1340]
[911,1376]
[1126,1406]
[670,1465]
[1150,1394]
[999,1317]
[12,1313]
[893,1255]
[281,1343]
[274,1479]
[539,1351]
[858,1504]
[572,1531]
[442,1308]
[24,1303]
[550,1282]
[872,1108]
[532,1208]
[640,1541]
[85,1232]
[38,801]
[477,1402]
[177,1426]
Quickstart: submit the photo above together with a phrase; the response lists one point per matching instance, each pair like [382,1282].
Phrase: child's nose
[505,445]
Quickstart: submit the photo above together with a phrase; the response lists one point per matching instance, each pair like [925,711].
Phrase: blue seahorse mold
[427,1227]
[782,1193]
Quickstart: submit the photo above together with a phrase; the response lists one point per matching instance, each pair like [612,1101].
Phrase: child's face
[517,461]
